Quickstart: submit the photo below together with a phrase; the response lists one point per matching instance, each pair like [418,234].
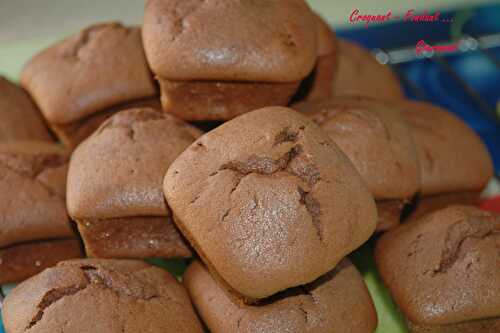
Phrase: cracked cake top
[119,170]
[247,40]
[100,67]
[452,156]
[375,137]
[19,117]
[443,268]
[100,296]
[269,201]
[337,301]
[33,192]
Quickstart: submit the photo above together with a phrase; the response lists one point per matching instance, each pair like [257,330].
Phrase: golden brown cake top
[119,170]
[100,67]
[32,192]
[270,201]
[100,296]
[443,268]
[19,117]
[268,41]
[452,156]
[336,302]
[375,137]
[358,73]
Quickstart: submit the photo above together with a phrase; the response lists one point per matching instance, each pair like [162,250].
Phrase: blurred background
[466,82]
[22,20]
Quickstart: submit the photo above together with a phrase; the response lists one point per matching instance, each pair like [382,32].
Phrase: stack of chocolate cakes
[246,139]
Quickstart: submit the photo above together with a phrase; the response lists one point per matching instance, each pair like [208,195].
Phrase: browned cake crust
[358,73]
[118,171]
[71,135]
[452,156]
[478,326]
[115,185]
[216,59]
[98,68]
[220,40]
[338,301]
[32,193]
[269,202]
[442,270]
[139,237]
[19,262]
[378,141]
[215,100]
[324,71]
[428,204]
[100,296]
[19,117]
[375,137]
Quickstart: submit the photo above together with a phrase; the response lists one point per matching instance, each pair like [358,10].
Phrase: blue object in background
[440,80]
[2,293]
[1,324]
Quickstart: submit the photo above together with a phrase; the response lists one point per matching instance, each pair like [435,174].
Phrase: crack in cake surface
[37,165]
[83,39]
[263,165]
[286,135]
[93,276]
[268,166]
[458,233]
[289,162]
[313,207]
[51,297]
[31,166]
[179,22]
